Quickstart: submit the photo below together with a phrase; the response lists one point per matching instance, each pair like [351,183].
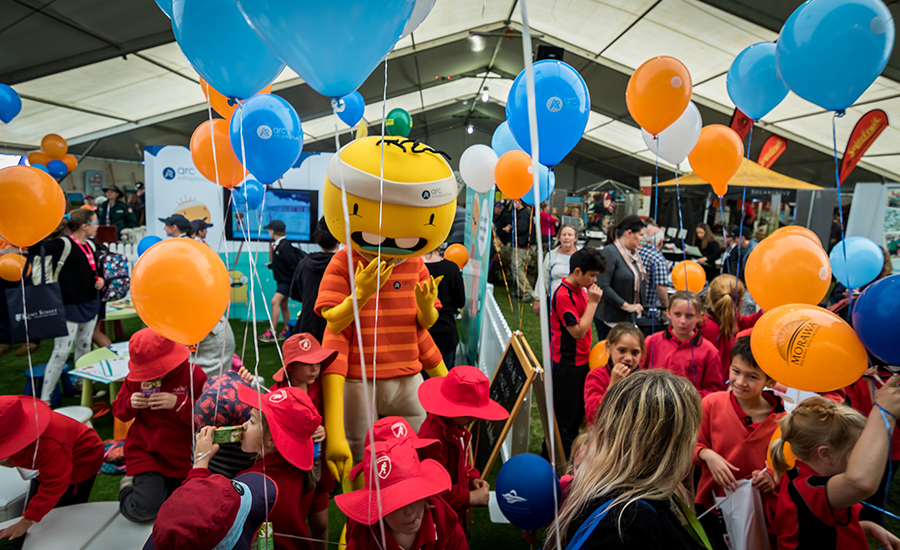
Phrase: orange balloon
[180,289]
[514,174]
[717,156]
[11,267]
[71,162]
[787,269]
[599,355]
[219,102]
[31,204]
[658,93]
[808,348]
[230,169]
[789,456]
[457,254]
[36,157]
[797,230]
[54,146]
[688,275]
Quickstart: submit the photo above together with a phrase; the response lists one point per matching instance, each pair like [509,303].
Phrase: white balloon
[476,166]
[419,13]
[677,141]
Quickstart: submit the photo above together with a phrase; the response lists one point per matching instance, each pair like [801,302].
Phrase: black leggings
[568,401]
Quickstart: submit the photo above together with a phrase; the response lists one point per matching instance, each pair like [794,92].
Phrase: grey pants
[141,501]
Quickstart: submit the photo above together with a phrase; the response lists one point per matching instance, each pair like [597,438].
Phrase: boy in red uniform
[158,394]
[735,432]
[69,455]
[415,517]
[454,402]
[573,305]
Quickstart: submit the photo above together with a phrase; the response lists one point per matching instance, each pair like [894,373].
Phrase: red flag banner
[864,135]
[741,123]
[771,150]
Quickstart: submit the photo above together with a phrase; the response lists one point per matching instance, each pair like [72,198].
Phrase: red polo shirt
[695,359]
[568,305]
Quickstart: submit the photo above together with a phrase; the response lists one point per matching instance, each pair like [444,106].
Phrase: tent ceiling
[73,73]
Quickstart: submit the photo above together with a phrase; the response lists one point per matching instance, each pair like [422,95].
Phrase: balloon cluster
[52,157]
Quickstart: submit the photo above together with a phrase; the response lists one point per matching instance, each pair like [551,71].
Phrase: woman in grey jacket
[621,282]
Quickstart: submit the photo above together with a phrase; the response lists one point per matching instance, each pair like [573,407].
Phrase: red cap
[151,356]
[19,426]
[292,419]
[402,480]
[395,429]
[465,391]
[304,348]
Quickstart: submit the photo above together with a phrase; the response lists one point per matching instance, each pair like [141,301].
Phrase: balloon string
[34,394]
[681,233]
[380,230]
[837,178]
[656,221]
[502,270]
[743,208]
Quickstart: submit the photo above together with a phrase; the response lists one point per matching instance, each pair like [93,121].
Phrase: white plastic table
[91,526]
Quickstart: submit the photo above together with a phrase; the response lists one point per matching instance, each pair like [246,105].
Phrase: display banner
[771,150]
[479,218]
[741,123]
[864,135]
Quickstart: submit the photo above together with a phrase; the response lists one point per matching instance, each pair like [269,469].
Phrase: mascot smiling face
[419,197]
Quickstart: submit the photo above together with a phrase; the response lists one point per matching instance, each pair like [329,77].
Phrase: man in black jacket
[521,254]
[308,276]
[283,260]
[114,211]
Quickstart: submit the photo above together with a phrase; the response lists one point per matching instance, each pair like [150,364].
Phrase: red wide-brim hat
[22,421]
[151,356]
[292,419]
[465,391]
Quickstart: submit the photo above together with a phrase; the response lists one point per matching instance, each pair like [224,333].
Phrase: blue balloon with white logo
[753,83]
[351,108]
[525,491]
[146,243]
[40,167]
[503,141]
[10,103]
[547,181]
[249,195]
[57,168]
[830,51]
[563,107]
[220,45]
[876,319]
[268,130]
[863,262]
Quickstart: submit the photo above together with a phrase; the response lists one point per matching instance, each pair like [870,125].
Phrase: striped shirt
[404,347]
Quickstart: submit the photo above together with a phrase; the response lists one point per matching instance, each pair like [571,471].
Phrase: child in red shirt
[840,461]
[395,429]
[69,455]
[453,402]
[158,394]
[281,434]
[735,432]
[682,350]
[406,512]
[625,343]
[572,312]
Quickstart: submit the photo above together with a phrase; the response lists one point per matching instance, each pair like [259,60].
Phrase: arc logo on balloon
[554,104]
[676,82]
[264,132]
[878,25]
[794,340]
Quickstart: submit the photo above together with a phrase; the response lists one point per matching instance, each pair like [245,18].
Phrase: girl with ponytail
[722,320]
[840,461]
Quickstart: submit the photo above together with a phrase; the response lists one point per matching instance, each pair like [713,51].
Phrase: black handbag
[46,316]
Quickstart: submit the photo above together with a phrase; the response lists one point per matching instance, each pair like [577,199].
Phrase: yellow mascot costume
[415,202]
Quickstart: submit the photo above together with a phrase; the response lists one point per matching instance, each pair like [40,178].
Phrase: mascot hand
[367,280]
[426,294]
[337,450]
[338,457]
[438,371]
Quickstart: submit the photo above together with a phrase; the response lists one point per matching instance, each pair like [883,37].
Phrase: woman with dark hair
[308,275]
[621,282]
[709,247]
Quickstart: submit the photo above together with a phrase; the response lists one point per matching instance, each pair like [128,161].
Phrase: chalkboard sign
[540,399]
[509,386]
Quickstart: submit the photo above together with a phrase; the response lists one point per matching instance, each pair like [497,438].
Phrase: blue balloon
[220,45]
[146,243]
[334,46]
[753,83]
[864,261]
[10,103]
[40,167]
[547,182]
[503,141]
[272,136]
[57,168]
[525,487]
[563,107]
[351,108]
[166,7]
[248,196]
[830,51]
[876,319]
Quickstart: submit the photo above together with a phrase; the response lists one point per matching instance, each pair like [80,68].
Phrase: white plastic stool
[81,414]
[12,493]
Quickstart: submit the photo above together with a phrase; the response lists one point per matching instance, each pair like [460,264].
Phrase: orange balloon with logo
[797,230]
[457,254]
[54,146]
[717,156]
[180,289]
[599,355]
[808,348]
[789,456]
[31,204]
[787,269]
[11,267]
[71,162]
[514,174]
[219,102]
[224,168]
[37,157]
[688,275]
[658,92]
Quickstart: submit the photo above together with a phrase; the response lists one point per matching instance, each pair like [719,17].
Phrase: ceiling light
[470,129]
[477,43]
[485,94]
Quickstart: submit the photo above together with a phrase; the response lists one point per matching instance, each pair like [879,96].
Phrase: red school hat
[394,430]
[292,420]
[151,356]
[402,480]
[304,348]
[465,391]
[19,425]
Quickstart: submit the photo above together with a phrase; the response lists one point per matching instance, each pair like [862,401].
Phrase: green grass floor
[484,534]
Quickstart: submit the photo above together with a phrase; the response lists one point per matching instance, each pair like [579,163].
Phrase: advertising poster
[892,226]
[479,218]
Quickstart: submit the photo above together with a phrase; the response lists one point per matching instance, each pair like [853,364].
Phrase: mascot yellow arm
[438,370]
[337,450]
[426,294]
[340,316]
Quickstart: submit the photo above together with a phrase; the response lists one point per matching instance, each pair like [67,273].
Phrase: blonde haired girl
[722,320]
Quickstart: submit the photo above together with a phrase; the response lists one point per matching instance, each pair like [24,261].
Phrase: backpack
[115,273]
[291,254]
